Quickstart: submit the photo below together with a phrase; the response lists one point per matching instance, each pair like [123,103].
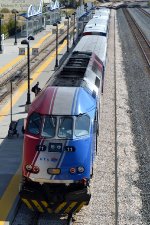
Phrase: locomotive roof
[73,72]
[63,101]
[93,43]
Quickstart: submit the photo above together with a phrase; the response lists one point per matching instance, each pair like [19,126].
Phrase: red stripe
[35,158]
[52,104]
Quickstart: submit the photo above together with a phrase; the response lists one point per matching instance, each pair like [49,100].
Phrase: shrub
[11,26]
[5,29]
[5,10]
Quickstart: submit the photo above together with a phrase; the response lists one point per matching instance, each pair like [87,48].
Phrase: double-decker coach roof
[73,72]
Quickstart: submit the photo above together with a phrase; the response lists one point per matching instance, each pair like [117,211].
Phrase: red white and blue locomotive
[60,140]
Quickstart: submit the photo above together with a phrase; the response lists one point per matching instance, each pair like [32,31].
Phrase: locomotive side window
[49,126]
[65,129]
[34,123]
[97,82]
[82,125]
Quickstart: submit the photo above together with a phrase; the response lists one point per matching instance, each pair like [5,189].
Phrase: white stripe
[52,100]
[63,101]
[34,158]
[60,163]
[75,101]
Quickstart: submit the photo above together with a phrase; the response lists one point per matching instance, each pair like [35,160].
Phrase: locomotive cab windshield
[49,126]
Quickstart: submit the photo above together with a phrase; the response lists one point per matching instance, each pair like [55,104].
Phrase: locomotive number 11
[70,149]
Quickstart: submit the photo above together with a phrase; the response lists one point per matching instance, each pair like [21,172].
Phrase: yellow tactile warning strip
[23,87]
[11,64]
[45,37]
[64,207]
[16,60]
[4,223]
[10,194]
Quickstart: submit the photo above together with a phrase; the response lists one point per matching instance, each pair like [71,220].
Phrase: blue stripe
[77,100]
[74,102]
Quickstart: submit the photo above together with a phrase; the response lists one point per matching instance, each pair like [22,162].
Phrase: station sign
[71,23]
[35,51]
[22,51]
[65,23]
[61,31]
[53,31]
[80,24]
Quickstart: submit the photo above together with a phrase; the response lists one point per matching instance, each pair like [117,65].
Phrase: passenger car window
[34,123]
[65,127]
[49,126]
[82,125]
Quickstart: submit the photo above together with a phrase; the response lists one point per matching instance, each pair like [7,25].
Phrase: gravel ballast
[130,139]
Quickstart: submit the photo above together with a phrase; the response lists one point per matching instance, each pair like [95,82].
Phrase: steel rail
[144,12]
[115,126]
[6,76]
[139,35]
[19,73]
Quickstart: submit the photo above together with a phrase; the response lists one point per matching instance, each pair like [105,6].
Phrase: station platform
[11,148]
[10,54]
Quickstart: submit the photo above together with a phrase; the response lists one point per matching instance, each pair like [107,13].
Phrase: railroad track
[145,12]
[24,216]
[139,35]
[19,72]
[115,127]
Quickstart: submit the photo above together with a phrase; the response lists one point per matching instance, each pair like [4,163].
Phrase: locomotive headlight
[35,169]
[80,169]
[28,167]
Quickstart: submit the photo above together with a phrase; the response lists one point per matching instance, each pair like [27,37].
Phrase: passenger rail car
[82,69]
[97,26]
[102,12]
[60,137]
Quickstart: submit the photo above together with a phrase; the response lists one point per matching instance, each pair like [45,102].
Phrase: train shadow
[11,156]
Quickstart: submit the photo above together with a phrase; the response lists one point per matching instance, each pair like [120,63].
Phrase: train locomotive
[60,139]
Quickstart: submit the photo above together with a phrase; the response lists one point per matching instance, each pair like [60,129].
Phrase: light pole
[74,27]
[1,50]
[67,17]
[11,92]
[26,42]
[11,89]
[56,25]
[14,11]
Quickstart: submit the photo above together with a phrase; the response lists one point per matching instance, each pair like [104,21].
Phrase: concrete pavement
[10,56]
[11,149]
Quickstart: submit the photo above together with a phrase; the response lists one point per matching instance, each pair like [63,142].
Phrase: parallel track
[139,35]
[145,12]
[115,126]
[19,72]
[35,218]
